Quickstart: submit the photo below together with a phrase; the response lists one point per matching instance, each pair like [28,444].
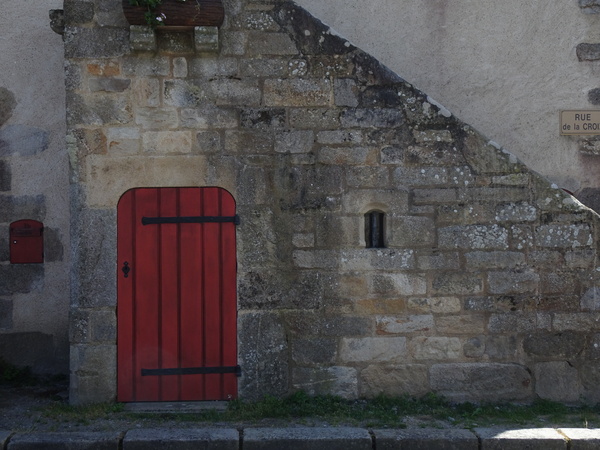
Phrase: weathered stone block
[246,142]
[345,92]
[480,382]
[557,381]
[78,12]
[435,348]
[439,261]
[146,92]
[360,201]
[206,39]
[116,175]
[123,141]
[97,259]
[109,84]
[513,282]
[462,324]
[263,119]
[344,155]
[167,142]
[294,141]
[263,355]
[233,42]
[316,351]
[590,380]
[208,117]
[102,42]
[512,322]
[371,117]
[564,236]
[397,284]
[580,259]
[494,260]
[434,305]
[146,66]
[207,142]
[435,196]
[516,212]
[473,237]
[265,67]
[588,52]
[184,94]
[234,92]
[372,349]
[341,381]
[313,324]
[367,177]
[296,92]
[380,306]
[260,43]
[323,119]
[565,345]
[93,373]
[432,136]
[501,347]
[448,283]
[410,231]
[394,380]
[576,321]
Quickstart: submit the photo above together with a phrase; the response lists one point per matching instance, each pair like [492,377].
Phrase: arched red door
[177,307]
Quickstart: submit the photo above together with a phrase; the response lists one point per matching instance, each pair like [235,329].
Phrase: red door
[177,311]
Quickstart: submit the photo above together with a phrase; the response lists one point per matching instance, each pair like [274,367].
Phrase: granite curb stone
[305,438]
[582,438]
[425,439]
[182,439]
[523,439]
[65,441]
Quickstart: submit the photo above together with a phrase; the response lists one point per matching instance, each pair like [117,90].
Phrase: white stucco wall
[32,69]
[507,68]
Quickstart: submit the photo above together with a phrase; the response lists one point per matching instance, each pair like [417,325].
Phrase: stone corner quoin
[486,285]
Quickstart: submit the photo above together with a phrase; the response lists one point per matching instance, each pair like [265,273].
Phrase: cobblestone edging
[342,438]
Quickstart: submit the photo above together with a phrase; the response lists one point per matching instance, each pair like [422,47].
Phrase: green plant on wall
[152,18]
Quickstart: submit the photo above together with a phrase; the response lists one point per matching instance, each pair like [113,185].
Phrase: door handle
[126,269]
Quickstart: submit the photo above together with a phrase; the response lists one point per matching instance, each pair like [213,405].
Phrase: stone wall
[506,68]
[488,285]
[34,298]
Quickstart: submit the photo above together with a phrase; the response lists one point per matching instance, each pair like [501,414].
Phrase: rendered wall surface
[487,288]
[34,298]
[507,68]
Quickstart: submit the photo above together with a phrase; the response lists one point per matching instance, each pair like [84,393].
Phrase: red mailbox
[26,242]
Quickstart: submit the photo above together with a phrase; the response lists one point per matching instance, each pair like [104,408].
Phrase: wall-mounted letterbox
[26,242]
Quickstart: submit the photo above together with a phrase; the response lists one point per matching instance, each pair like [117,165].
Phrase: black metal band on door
[200,219]
[194,371]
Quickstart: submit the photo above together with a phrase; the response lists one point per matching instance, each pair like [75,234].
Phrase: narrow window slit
[375,229]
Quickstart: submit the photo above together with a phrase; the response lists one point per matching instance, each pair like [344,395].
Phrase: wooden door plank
[229,303]
[211,236]
[146,301]
[169,294]
[191,326]
[125,244]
